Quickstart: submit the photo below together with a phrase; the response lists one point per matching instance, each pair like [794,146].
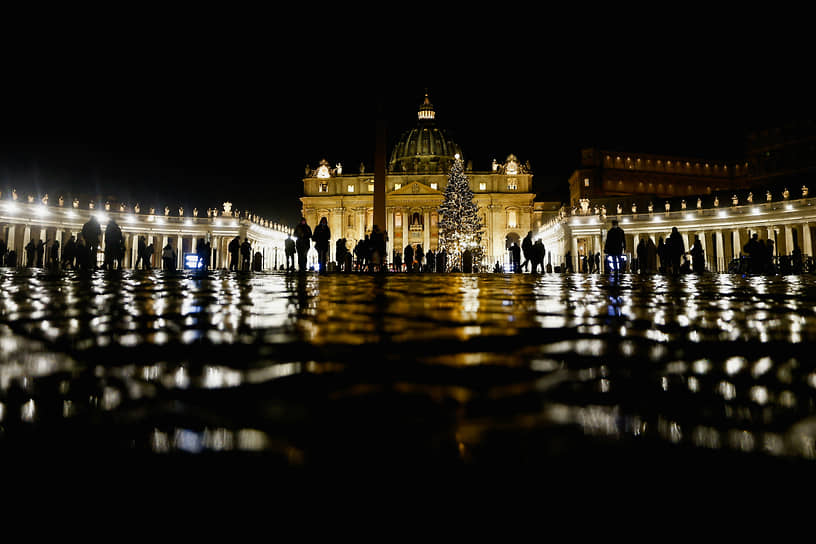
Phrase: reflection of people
[615,245]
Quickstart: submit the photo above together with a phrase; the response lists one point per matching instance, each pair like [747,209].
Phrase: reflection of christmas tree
[460,227]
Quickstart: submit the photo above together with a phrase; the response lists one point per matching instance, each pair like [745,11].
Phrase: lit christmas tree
[460,226]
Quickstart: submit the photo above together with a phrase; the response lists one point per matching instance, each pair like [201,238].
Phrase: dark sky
[196,123]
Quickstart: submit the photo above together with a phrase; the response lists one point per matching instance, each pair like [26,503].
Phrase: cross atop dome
[426,111]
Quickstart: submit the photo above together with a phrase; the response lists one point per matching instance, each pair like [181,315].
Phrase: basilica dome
[424,148]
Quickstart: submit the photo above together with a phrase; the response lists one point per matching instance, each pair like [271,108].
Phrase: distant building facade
[604,174]
[416,177]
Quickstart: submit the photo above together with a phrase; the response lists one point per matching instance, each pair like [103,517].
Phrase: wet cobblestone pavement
[449,370]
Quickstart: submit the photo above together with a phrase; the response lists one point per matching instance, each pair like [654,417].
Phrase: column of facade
[405,220]
[685,237]
[134,249]
[58,238]
[574,260]
[180,255]
[735,244]
[360,223]
[26,239]
[720,251]
[807,250]
[336,224]
[389,225]
[788,240]
[706,257]
[426,229]
[770,236]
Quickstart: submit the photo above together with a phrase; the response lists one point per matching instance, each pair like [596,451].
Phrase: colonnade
[22,222]
[722,231]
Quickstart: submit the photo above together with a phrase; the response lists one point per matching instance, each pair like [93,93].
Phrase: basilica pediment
[416,188]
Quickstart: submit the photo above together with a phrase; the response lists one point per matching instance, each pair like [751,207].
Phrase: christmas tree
[460,227]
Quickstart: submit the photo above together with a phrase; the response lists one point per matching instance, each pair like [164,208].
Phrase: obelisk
[379,167]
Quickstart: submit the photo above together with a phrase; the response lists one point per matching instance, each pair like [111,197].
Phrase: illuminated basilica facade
[416,176]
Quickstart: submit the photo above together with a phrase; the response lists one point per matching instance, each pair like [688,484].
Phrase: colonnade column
[735,244]
[405,220]
[706,259]
[179,264]
[10,242]
[574,259]
[26,240]
[788,240]
[772,237]
[426,229]
[806,242]
[720,250]
[389,226]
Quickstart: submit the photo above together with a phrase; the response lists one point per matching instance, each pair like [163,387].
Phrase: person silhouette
[515,257]
[31,251]
[289,246]
[69,253]
[246,255]
[377,242]
[675,249]
[527,250]
[321,237]
[113,245]
[408,254]
[663,255]
[91,231]
[303,237]
[340,253]
[141,253]
[234,249]
[697,256]
[40,249]
[615,246]
[537,255]
[168,256]
[641,256]
[149,250]
[54,255]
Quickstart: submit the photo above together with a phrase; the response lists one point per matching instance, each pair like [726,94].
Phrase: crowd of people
[369,254]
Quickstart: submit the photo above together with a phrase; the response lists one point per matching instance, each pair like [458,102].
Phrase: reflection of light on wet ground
[230,362]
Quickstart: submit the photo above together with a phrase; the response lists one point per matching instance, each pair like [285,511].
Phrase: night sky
[195,125]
